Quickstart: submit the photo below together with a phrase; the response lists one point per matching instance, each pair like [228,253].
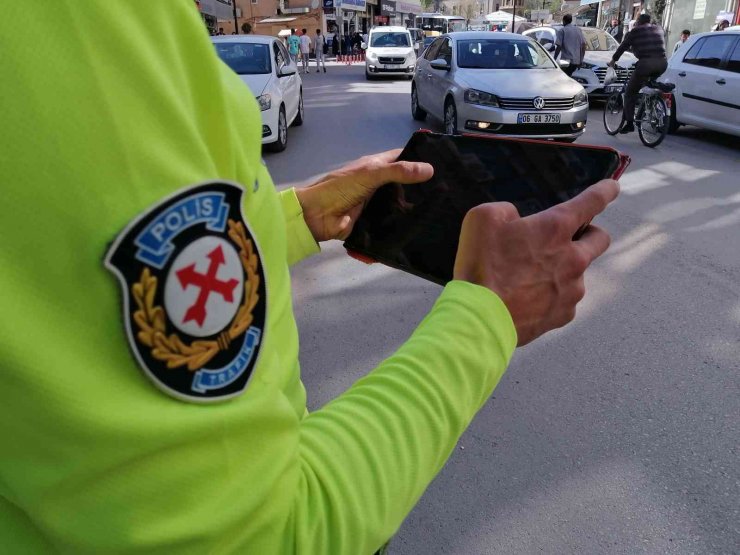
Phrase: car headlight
[473,96]
[265,101]
[580,99]
[372,55]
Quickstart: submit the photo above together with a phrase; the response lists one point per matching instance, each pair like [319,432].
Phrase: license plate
[538,118]
[392,66]
[613,88]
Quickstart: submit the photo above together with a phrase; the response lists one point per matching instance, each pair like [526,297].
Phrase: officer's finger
[379,173]
[593,243]
[584,207]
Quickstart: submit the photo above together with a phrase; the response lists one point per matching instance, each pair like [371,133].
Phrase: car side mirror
[285,71]
[440,63]
[564,63]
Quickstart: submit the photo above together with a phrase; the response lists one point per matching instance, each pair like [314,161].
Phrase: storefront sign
[357,5]
[387,7]
[700,8]
[408,7]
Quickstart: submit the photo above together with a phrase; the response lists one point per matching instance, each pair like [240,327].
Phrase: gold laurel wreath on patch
[170,348]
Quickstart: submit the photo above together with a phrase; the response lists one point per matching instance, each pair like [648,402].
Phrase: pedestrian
[221,31]
[305,49]
[615,29]
[685,34]
[647,43]
[336,42]
[319,46]
[721,26]
[347,46]
[294,45]
[356,42]
[330,42]
[152,399]
[570,44]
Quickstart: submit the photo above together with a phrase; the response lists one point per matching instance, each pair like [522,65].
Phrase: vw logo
[539,103]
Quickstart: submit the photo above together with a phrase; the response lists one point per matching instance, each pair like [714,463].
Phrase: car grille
[534,129]
[622,74]
[528,103]
[391,60]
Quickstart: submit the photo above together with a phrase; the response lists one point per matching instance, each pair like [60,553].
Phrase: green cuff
[301,243]
[487,307]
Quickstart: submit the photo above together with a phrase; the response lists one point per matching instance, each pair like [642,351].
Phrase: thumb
[399,172]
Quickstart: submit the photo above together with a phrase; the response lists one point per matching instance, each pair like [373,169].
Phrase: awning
[278,20]
[408,7]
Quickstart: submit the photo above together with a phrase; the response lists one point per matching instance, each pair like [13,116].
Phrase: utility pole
[236,22]
[513,17]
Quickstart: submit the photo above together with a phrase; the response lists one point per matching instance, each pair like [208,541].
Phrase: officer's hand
[532,263]
[332,205]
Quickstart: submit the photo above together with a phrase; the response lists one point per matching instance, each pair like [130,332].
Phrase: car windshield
[390,39]
[599,40]
[245,58]
[502,54]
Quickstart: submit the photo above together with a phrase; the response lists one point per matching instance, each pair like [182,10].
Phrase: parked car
[390,51]
[706,72]
[263,63]
[600,47]
[501,83]
[417,39]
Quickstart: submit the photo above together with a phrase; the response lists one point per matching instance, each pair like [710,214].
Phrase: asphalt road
[617,434]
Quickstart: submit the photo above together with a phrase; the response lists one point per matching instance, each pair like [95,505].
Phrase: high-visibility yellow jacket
[107,108]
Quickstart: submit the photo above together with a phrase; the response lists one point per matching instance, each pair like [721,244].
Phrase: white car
[264,65]
[390,51]
[600,47]
[706,72]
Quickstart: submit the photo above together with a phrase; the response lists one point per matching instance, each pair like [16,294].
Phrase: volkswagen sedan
[499,83]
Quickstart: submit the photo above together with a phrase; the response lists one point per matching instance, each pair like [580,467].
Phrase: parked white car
[706,72]
[498,83]
[390,51]
[263,63]
[600,47]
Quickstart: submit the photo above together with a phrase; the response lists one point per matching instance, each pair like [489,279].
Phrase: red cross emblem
[208,283]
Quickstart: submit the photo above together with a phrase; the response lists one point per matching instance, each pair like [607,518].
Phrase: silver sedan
[499,83]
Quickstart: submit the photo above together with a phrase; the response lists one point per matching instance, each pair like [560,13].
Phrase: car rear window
[245,58]
[390,40]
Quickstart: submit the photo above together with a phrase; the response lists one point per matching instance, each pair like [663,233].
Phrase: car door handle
[721,82]
[682,74]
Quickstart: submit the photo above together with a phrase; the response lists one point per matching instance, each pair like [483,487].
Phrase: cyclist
[648,45]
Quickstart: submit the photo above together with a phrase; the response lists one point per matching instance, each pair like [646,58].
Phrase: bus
[433,23]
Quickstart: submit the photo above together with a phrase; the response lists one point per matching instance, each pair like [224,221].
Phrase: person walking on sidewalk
[294,45]
[305,49]
[319,43]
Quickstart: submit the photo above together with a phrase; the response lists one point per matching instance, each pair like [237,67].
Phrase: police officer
[151,398]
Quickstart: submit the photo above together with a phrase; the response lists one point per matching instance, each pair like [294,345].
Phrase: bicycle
[652,111]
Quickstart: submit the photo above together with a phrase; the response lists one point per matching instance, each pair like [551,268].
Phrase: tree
[246,28]
[469,10]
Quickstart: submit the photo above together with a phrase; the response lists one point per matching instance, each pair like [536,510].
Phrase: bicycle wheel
[652,121]
[613,113]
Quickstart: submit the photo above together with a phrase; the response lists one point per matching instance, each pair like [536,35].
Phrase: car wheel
[416,112]
[450,117]
[369,77]
[282,140]
[298,121]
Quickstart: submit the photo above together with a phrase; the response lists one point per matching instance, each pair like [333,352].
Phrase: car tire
[450,117]
[416,111]
[298,121]
[673,123]
[369,77]
[282,140]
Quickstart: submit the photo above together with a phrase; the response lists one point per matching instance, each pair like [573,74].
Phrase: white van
[390,51]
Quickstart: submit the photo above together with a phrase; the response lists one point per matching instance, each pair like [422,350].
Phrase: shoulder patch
[194,293]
